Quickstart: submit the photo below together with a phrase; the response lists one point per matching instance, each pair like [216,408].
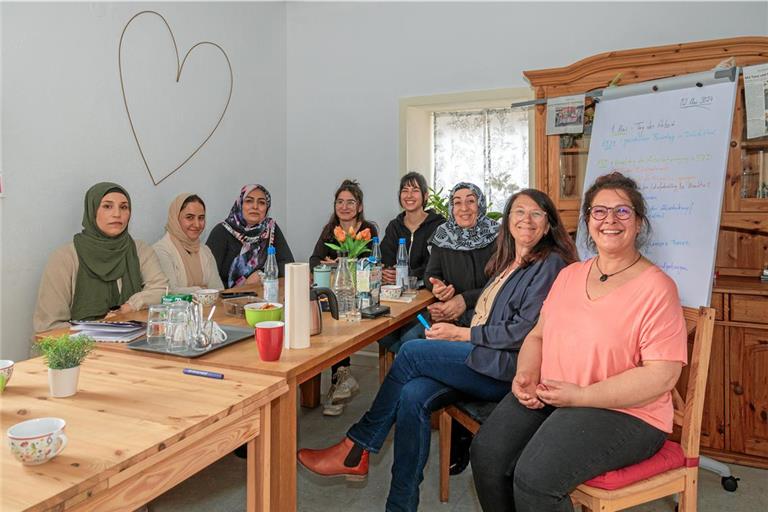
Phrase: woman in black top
[415,224]
[347,213]
[461,249]
[239,244]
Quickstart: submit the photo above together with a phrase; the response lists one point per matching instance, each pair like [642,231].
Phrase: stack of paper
[113,332]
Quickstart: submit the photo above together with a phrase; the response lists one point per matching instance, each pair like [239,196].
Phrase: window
[488,148]
[469,137]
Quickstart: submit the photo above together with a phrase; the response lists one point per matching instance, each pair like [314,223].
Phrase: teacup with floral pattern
[37,441]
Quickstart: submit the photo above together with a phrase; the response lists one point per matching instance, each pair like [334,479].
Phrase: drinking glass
[176,327]
[157,319]
[413,287]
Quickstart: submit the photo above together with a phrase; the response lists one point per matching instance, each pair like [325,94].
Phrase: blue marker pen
[203,373]
[423,321]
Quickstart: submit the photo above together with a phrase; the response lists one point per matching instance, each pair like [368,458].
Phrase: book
[110,332]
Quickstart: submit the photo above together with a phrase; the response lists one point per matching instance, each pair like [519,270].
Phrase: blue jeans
[394,340]
[426,376]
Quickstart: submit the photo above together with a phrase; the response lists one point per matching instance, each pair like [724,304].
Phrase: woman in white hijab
[188,264]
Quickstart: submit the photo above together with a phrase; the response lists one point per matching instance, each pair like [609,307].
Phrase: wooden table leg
[283,450]
[310,392]
[257,488]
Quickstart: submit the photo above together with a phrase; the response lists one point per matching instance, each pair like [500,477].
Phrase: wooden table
[338,340]
[137,427]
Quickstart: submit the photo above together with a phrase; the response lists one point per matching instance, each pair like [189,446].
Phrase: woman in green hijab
[102,270]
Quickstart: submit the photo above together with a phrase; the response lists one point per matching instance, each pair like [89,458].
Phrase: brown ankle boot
[330,461]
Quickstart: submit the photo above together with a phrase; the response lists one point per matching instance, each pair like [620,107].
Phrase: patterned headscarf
[255,239]
[451,236]
[102,261]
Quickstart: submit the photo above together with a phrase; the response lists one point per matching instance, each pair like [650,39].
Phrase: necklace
[604,277]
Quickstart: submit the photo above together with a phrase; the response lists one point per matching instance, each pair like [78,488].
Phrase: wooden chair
[687,416]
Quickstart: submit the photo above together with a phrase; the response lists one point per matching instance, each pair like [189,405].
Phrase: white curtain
[488,148]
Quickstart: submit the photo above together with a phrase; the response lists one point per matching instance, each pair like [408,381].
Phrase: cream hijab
[188,249]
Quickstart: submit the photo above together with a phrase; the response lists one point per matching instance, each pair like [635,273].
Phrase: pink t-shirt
[588,341]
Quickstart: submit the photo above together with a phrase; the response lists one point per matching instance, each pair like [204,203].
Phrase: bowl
[263,312]
[6,370]
[391,291]
[236,305]
[207,296]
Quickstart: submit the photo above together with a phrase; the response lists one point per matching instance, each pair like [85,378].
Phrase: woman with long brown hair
[429,374]
[592,389]
[348,214]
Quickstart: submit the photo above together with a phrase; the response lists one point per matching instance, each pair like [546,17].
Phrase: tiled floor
[221,487]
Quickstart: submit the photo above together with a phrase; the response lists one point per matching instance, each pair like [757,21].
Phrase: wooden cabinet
[735,422]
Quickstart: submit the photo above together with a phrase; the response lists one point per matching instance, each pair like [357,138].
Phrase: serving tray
[234,334]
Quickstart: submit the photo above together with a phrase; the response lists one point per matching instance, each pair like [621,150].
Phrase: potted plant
[63,355]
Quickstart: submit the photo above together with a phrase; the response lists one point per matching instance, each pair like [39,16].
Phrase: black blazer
[514,313]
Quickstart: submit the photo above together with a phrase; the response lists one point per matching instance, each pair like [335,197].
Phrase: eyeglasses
[536,215]
[621,212]
[351,203]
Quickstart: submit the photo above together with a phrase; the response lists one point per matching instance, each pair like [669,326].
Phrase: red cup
[269,339]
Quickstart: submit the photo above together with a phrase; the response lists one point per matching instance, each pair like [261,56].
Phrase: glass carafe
[344,288]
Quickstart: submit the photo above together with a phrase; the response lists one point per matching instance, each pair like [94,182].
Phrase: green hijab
[103,260]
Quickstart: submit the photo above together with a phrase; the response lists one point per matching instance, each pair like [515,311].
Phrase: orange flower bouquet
[350,243]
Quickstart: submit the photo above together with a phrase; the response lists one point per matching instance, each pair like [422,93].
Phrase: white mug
[37,441]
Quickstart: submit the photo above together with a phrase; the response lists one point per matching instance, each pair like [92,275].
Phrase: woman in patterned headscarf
[103,269]
[239,244]
[188,264]
[461,249]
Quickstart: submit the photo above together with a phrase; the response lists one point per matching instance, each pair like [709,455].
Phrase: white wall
[349,63]
[64,128]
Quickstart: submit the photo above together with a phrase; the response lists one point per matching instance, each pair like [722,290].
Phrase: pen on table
[423,321]
[203,373]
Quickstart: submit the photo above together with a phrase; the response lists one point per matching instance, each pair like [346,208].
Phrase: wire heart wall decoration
[179,69]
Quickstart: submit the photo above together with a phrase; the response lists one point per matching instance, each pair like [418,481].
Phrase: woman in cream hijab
[188,264]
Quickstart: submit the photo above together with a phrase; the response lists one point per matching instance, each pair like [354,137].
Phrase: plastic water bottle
[376,250]
[375,280]
[270,276]
[401,265]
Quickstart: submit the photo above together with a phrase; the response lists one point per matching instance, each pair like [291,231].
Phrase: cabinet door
[567,156]
[713,416]
[749,390]
[747,180]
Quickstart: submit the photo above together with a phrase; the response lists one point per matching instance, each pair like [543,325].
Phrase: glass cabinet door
[568,167]
[747,186]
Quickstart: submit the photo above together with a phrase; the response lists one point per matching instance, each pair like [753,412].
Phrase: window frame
[416,123]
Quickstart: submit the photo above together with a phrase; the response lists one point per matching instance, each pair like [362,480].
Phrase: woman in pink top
[592,388]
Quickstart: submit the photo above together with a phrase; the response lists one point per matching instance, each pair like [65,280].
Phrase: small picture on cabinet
[565,115]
